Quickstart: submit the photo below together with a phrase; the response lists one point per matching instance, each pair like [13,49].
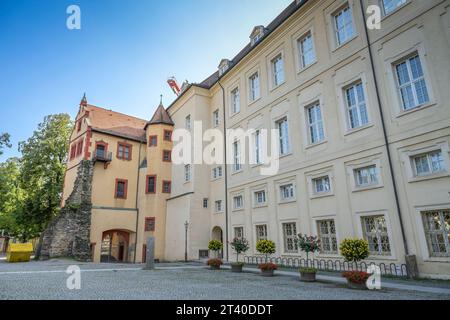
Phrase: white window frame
[301,52]
[284,139]
[261,235]
[242,206]
[187,173]
[291,237]
[254,92]
[257,148]
[407,60]
[334,16]
[216,118]
[378,234]
[318,126]
[357,106]
[372,176]
[364,163]
[278,75]
[325,172]
[322,179]
[282,188]
[255,193]
[216,173]
[429,162]
[235,97]
[237,156]
[398,5]
[330,236]
[235,229]
[218,206]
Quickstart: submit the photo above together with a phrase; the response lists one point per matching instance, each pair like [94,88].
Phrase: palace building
[363,119]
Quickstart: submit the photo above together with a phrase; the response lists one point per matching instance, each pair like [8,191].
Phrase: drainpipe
[136,202]
[411,262]
[225,170]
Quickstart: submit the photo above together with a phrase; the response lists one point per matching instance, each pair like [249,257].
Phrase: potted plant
[239,245]
[355,250]
[266,247]
[308,244]
[215,246]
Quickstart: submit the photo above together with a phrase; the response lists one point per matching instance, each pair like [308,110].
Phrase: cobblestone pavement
[47,280]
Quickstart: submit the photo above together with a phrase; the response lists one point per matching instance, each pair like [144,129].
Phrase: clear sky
[121,57]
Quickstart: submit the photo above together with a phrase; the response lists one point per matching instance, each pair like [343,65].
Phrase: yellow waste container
[19,252]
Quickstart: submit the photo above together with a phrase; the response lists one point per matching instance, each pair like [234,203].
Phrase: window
[80,147]
[188,122]
[205,203]
[100,150]
[167,135]
[124,151]
[238,202]
[150,224]
[260,197]
[217,172]
[278,70]
[287,192]
[235,101]
[239,232]
[237,166]
[315,124]
[327,236]
[366,176]
[283,132]
[306,50]
[167,186]
[343,23]
[257,151]
[428,163]
[321,185]
[121,189]
[437,232]
[216,120]
[254,87]
[390,5]
[261,232]
[411,83]
[167,156]
[375,232]
[356,106]
[290,234]
[218,206]
[151,184]
[79,126]
[187,173]
[73,151]
[153,141]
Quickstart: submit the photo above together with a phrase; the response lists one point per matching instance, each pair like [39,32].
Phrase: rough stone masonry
[68,234]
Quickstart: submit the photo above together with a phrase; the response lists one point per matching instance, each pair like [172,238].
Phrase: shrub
[216,246]
[308,270]
[354,250]
[358,277]
[267,266]
[266,247]
[240,245]
[214,262]
[308,244]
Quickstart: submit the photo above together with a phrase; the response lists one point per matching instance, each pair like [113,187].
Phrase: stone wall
[68,234]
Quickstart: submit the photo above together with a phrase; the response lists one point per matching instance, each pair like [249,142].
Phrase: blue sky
[121,57]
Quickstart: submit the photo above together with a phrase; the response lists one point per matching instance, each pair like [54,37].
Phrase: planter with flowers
[239,245]
[215,246]
[266,247]
[355,250]
[308,244]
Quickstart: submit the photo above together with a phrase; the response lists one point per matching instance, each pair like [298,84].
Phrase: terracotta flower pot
[236,268]
[356,286]
[267,273]
[308,276]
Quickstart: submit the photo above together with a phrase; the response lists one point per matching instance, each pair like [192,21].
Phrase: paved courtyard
[47,280]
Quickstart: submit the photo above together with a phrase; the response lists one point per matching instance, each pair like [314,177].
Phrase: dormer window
[257,34]
[224,66]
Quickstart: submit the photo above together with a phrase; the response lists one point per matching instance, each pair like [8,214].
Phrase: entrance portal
[217,234]
[115,246]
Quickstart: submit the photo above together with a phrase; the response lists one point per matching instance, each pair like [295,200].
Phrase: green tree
[4,142]
[43,163]
[11,196]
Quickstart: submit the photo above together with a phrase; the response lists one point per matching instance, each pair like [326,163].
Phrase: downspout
[411,271]
[136,202]
[225,170]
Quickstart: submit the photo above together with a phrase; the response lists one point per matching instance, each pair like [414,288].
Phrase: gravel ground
[47,280]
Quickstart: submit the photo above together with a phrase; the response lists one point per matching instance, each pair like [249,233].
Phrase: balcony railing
[102,156]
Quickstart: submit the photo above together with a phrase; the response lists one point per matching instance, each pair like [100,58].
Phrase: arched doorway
[217,234]
[115,246]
